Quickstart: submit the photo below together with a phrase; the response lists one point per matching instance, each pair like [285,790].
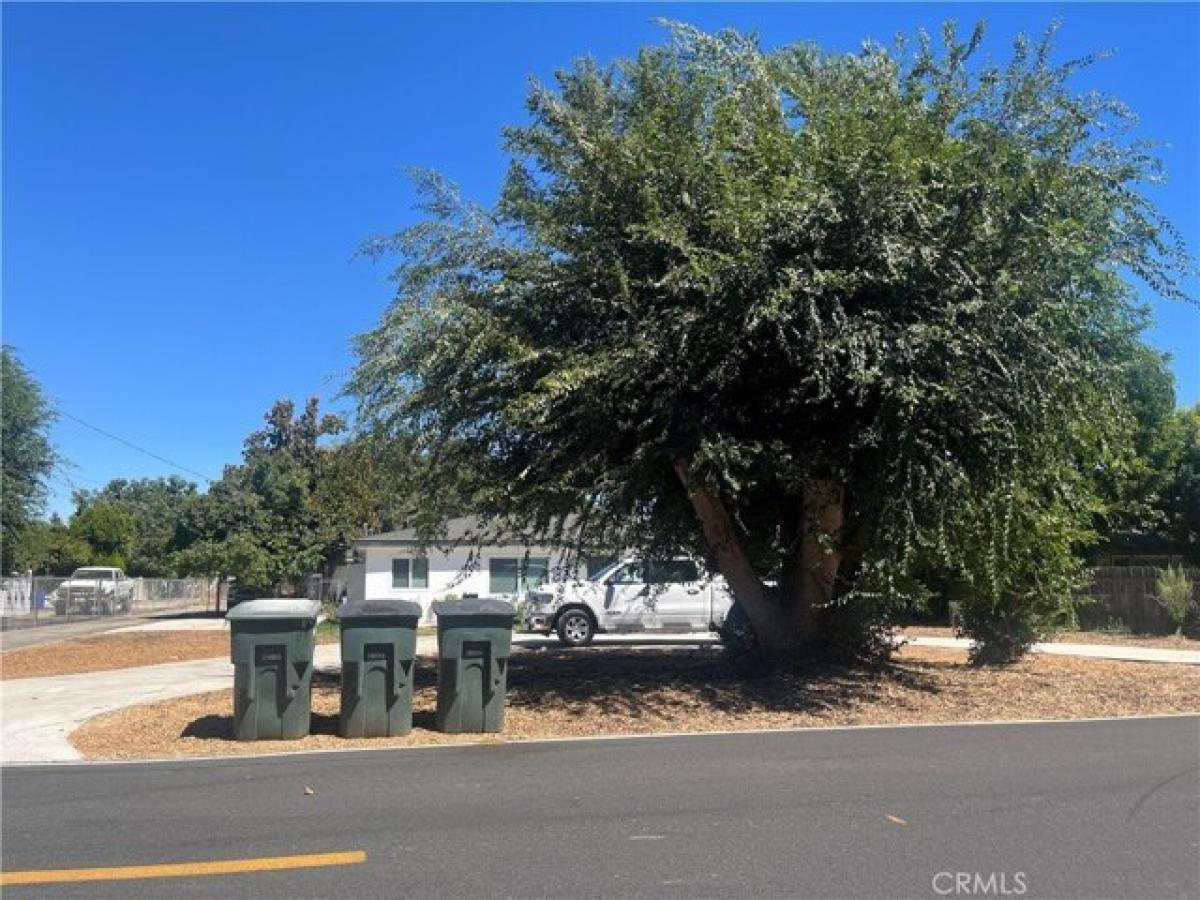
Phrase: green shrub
[1175,595]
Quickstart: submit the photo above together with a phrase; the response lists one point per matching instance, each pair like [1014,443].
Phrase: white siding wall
[447,573]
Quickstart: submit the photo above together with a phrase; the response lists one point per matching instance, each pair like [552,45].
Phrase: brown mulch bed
[120,650]
[560,693]
[1165,642]
[112,651]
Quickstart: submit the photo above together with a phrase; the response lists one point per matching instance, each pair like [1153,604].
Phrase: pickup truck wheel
[575,628]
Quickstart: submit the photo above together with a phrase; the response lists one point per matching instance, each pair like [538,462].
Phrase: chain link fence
[325,589]
[32,601]
[1119,596]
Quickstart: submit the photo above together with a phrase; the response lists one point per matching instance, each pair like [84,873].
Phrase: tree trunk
[820,556]
[770,623]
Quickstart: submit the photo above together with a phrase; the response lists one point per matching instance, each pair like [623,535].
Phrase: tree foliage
[52,548]
[1132,479]
[108,530]
[1180,497]
[28,455]
[839,320]
[288,510]
[154,508]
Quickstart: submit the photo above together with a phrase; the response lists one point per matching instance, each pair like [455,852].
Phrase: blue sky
[184,186]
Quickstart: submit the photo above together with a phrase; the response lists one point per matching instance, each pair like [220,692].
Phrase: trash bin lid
[275,608]
[474,606]
[379,607]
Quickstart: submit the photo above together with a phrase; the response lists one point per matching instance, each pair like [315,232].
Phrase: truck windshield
[606,571]
[93,573]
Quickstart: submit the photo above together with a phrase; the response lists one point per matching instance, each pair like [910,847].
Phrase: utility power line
[133,446]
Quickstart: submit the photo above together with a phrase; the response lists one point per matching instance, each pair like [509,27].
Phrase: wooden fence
[1128,595]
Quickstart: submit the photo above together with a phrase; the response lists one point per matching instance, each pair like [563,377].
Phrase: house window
[503,575]
[537,572]
[410,573]
[512,575]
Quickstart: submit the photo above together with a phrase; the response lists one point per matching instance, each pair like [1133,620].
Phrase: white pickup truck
[95,590]
[629,596]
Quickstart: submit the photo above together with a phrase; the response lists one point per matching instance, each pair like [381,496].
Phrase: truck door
[626,600]
[677,595]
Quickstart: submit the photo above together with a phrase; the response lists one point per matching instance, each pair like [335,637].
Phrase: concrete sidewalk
[1090,651]
[213,624]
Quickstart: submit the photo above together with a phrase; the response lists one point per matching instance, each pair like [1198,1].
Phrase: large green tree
[837,320]
[28,455]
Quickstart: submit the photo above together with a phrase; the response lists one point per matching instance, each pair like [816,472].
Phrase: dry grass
[1165,642]
[120,650]
[556,693]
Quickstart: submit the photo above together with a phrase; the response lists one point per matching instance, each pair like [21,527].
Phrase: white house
[396,564]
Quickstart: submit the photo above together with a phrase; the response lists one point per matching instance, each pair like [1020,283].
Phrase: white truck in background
[94,590]
[630,596]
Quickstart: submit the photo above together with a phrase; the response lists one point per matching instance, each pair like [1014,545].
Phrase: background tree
[1132,480]
[1181,495]
[108,530]
[28,455]
[51,548]
[831,318]
[353,495]
[155,508]
[289,510]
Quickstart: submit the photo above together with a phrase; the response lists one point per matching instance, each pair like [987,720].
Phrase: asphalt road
[50,629]
[1085,810]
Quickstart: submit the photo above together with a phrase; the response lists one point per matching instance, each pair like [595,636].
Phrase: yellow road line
[184,870]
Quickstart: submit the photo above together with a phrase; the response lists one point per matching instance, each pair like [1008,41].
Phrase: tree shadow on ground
[658,682]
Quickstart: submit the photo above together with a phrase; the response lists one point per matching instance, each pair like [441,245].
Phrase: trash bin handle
[247,680]
[293,677]
[399,675]
[494,681]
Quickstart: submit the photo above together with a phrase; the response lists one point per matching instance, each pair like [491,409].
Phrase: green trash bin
[272,648]
[474,643]
[379,644]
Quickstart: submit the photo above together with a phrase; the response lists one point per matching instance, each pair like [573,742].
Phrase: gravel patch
[607,691]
